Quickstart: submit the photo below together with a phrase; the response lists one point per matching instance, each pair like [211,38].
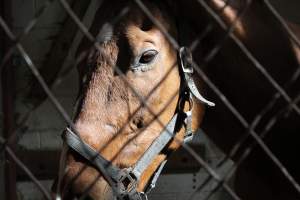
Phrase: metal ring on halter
[191,103]
[144,196]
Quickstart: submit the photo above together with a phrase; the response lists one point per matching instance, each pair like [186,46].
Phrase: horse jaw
[105,192]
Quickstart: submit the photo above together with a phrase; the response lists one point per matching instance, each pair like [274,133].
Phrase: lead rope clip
[188,129]
[144,196]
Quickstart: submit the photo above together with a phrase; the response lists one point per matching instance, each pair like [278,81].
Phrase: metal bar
[2,34]
[8,126]
[59,51]
[8,90]
[282,22]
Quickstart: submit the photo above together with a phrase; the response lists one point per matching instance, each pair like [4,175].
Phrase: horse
[111,116]
[131,87]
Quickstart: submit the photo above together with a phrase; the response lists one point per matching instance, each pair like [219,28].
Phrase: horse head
[132,87]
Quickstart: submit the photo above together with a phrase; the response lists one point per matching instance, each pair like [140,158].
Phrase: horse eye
[148,56]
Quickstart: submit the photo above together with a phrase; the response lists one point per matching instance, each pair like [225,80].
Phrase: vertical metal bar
[7,80]
[2,52]
[2,34]
[8,124]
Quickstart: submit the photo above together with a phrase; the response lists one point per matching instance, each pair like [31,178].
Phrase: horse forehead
[136,35]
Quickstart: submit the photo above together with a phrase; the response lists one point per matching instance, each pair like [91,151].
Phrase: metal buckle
[188,116]
[182,101]
[143,196]
[127,182]
[185,55]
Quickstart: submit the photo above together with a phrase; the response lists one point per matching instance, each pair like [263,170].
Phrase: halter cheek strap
[124,181]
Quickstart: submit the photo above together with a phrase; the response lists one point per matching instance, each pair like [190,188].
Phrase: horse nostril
[138,122]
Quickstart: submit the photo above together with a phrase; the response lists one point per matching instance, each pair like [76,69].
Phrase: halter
[124,181]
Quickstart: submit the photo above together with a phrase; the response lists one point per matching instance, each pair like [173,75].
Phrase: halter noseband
[124,181]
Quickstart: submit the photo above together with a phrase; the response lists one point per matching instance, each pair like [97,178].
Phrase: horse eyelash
[142,68]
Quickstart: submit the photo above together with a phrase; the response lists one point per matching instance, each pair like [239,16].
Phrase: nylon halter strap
[124,181]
